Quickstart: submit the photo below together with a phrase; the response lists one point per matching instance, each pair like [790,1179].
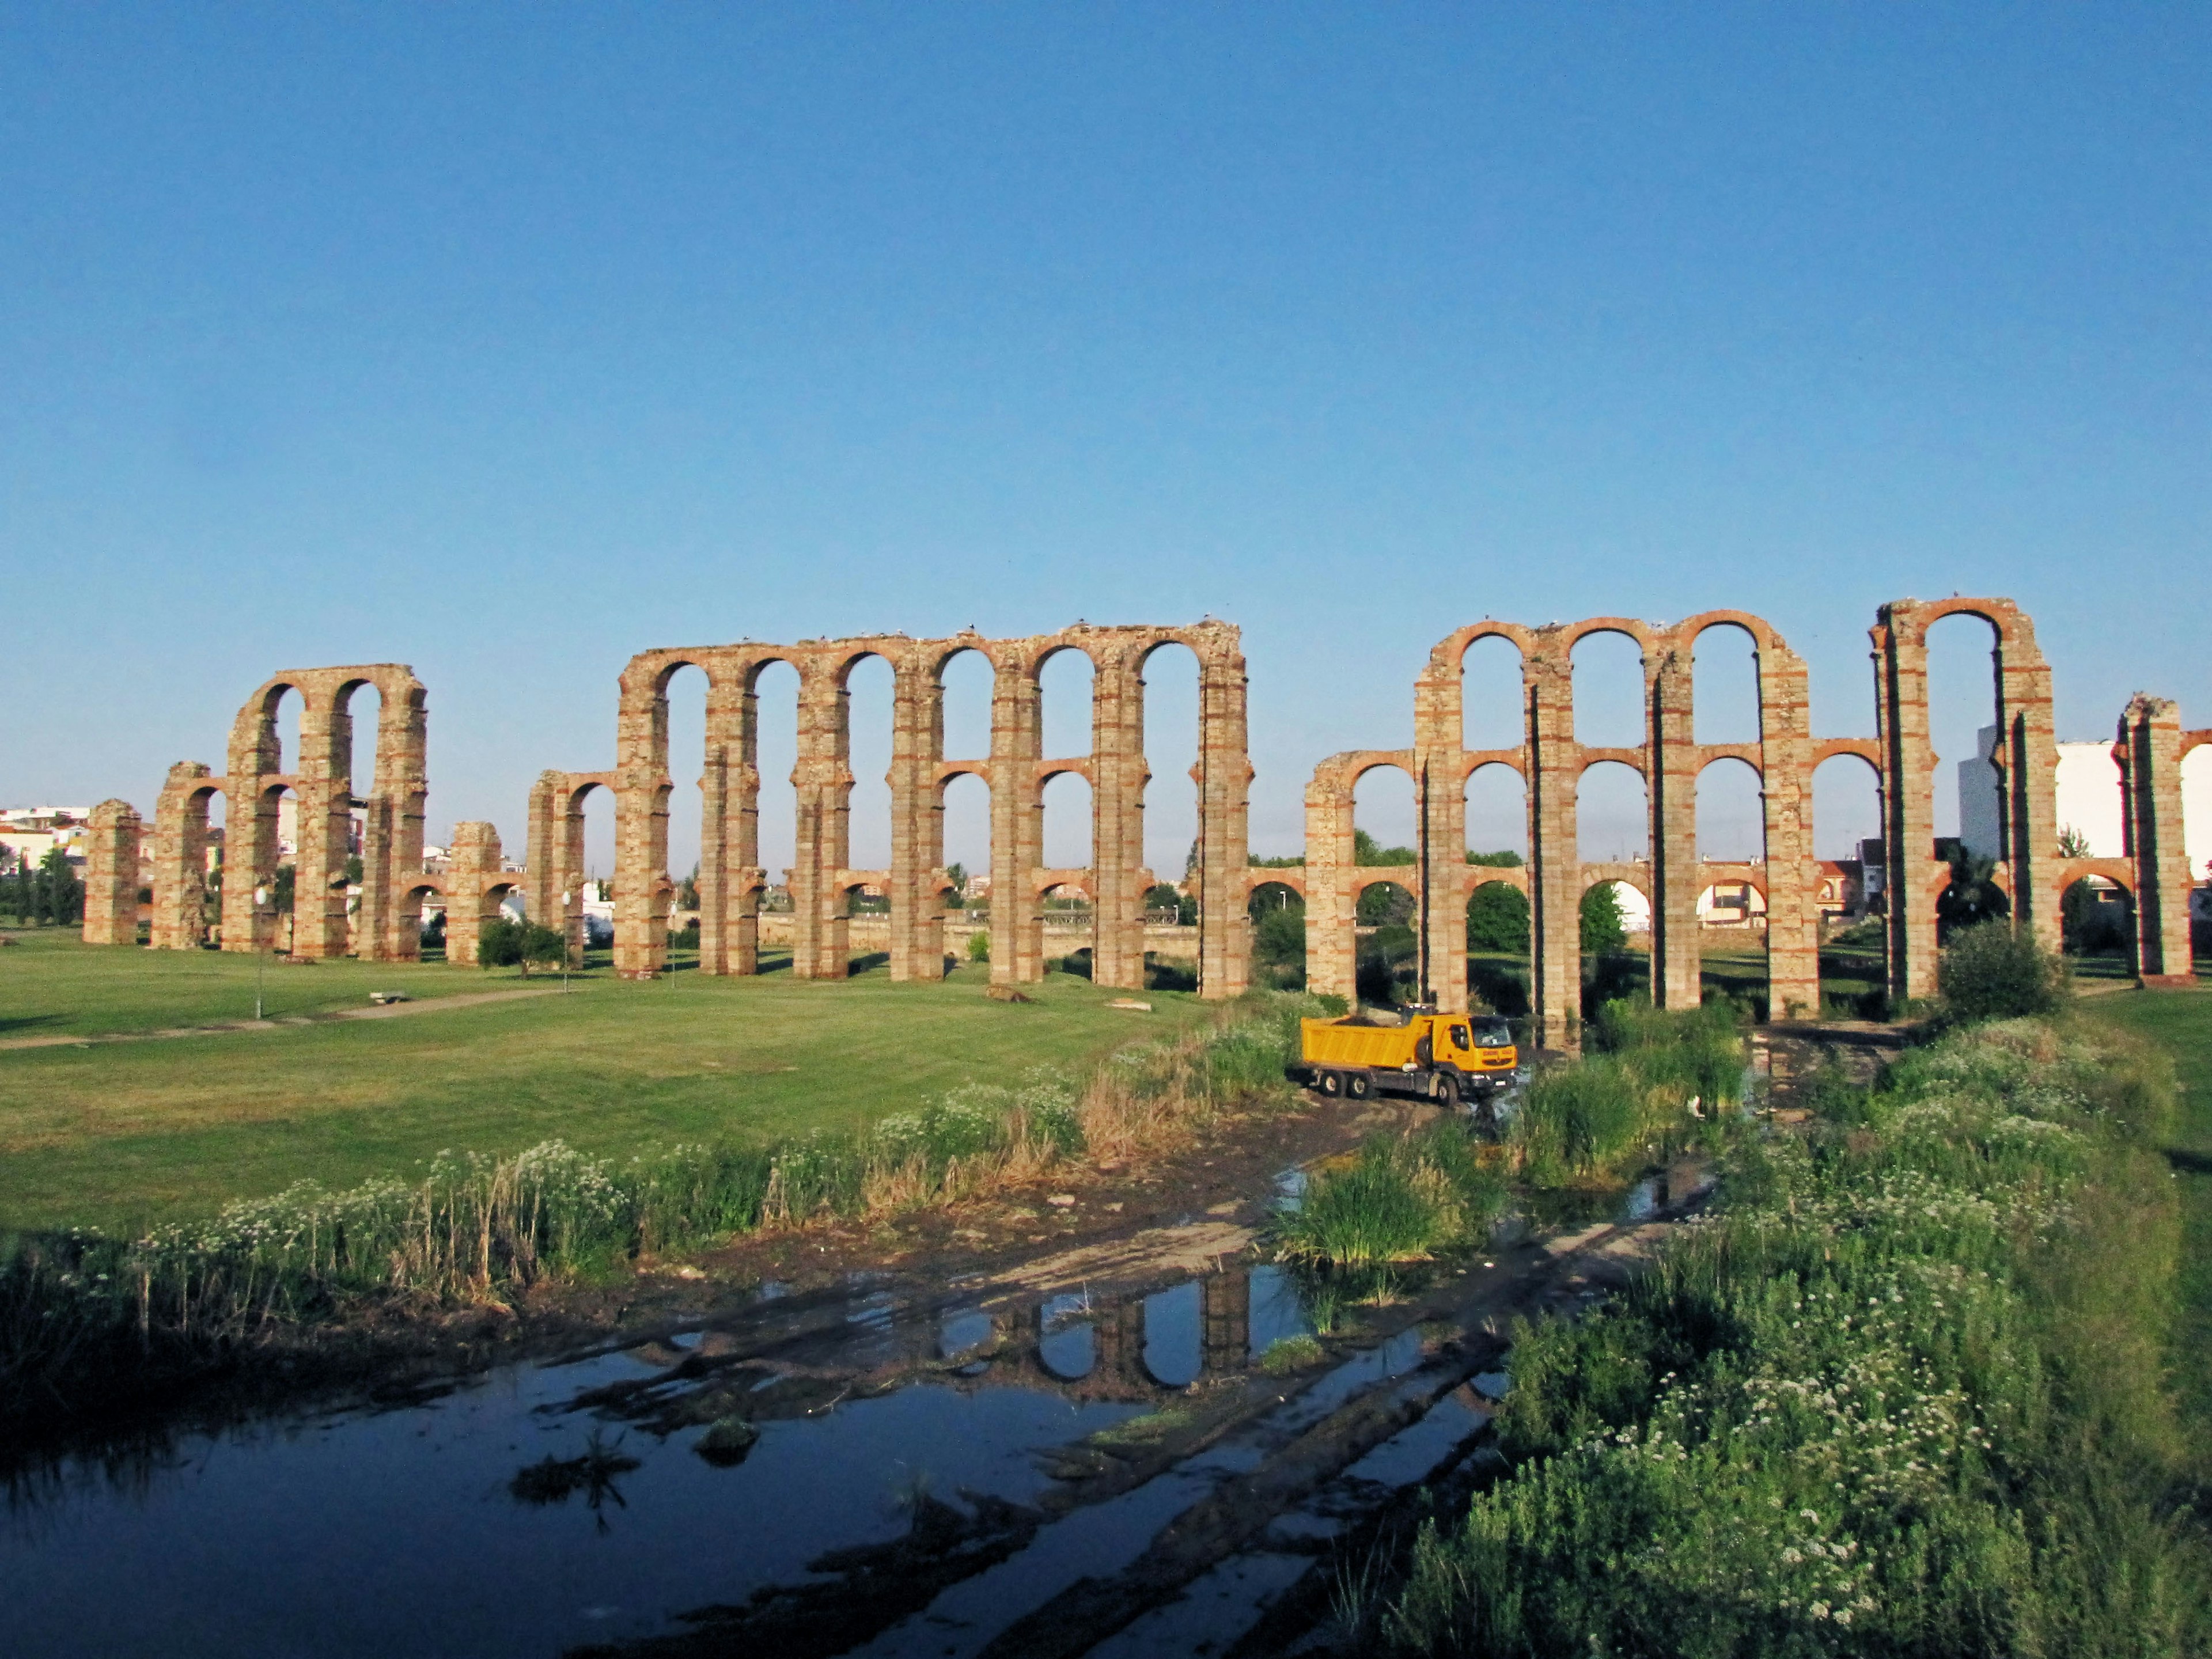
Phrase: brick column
[111,875]
[181,843]
[1224,776]
[1671,766]
[250,822]
[323,797]
[474,855]
[1017,825]
[1793,926]
[1225,1322]
[390,930]
[748,878]
[1332,941]
[818,932]
[917,820]
[1555,855]
[2028,752]
[1908,769]
[1118,776]
[2150,737]
[542,850]
[642,790]
[718,785]
[1440,796]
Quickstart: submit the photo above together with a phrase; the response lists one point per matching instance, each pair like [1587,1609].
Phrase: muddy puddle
[871,1468]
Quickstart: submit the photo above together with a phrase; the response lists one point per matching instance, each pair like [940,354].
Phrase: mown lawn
[2181,1023]
[117,1134]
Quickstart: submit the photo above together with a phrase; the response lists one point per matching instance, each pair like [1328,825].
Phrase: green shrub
[1991,971]
[1402,1199]
[978,947]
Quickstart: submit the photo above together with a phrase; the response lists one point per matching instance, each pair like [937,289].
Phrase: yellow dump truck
[1445,1058]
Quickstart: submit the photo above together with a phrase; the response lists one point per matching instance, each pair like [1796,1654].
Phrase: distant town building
[30,833]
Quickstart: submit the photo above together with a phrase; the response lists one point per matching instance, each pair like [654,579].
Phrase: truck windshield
[1493,1034]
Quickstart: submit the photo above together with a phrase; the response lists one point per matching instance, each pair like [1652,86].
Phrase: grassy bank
[126,1135]
[1902,1395]
[88,1319]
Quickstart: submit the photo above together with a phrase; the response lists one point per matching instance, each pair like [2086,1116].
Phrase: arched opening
[593,904]
[1850,886]
[1384,830]
[420,904]
[1612,823]
[1389,970]
[2196,840]
[2097,922]
[968,857]
[1497,944]
[1278,914]
[1731,823]
[775,710]
[1724,685]
[1962,730]
[1067,822]
[1497,815]
[284,722]
[2092,808]
[1608,691]
[871,705]
[1064,685]
[1174,1336]
[1171,678]
[1615,925]
[686,691]
[1493,712]
[1065,1347]
[1068,929]
[968,679]
[276,869]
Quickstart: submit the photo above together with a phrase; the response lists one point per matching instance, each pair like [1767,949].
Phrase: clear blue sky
[507,340]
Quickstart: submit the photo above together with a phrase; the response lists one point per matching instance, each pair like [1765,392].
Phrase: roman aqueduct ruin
[2150,747]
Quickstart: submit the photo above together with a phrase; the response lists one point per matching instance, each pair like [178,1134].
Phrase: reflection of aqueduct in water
[1549,760]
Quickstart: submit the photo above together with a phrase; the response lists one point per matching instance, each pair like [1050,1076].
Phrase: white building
[2089,800]
[31,832]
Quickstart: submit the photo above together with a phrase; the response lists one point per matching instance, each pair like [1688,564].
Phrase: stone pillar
[1224,776]
[719,810]
[1017,823]
[1440,794]
[748,878]
[1793,925]
[389,928]
[542,849]
[180,844]
[1225,1322]
[642,790]
[250,837]
[818,932]
[111,875]
[1555,878]
[1332,940]
[2028,753]
[1671,766]
[1118,777]
[917,820]
[2150,744]
[1908,767]
[474,854]
[323,798]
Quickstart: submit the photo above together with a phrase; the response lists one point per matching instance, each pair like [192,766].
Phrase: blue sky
[508,341]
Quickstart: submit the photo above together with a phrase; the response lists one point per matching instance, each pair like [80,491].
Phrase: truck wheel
[1359,1085]
[1332,1083]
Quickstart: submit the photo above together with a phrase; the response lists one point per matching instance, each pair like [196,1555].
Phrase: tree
[1367,851]
[1498,919]
[1990,971]
[1279,938]
[61,894]
[498,944]
[282,889]
[957,875]
[1603,927]
[1504,858]
[1973,895]
[546,947]
[2072,843]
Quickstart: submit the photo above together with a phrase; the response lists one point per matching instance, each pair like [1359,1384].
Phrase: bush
[1402,1201]
[978,947]
[1498,919]
[1991,971]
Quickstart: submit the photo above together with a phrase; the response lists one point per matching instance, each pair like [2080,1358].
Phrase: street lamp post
[567,898]
[260,898]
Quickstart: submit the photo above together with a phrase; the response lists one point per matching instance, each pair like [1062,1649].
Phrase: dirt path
[387,1011]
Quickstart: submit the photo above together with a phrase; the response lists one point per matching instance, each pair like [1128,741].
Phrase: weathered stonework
[2150,749]
[322,787]
[731,875]
[111,875]
[1551,763]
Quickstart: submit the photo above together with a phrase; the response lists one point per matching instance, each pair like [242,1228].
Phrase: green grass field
[120,1133]
[2181,1023]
